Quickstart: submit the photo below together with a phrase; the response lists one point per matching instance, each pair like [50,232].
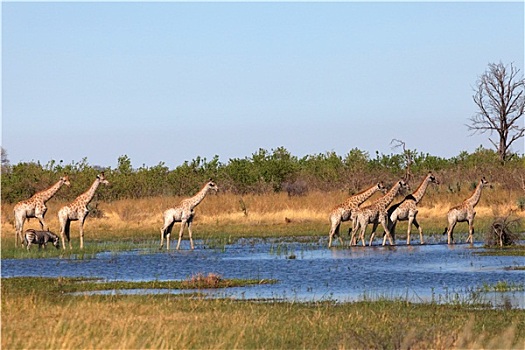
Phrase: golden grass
[277,209]
[160,322]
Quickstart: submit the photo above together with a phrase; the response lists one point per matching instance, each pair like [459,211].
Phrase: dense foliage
[264,171]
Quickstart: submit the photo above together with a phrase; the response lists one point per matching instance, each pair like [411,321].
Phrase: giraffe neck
[195,200]
[420,192]
[87,196]
[389,197]
[50,192]
[474,199]
[361,197]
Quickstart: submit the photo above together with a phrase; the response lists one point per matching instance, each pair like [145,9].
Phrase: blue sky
[172,81]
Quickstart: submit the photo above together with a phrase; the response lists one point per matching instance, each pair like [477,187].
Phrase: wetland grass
[502,287]
[168,321]
[131,218]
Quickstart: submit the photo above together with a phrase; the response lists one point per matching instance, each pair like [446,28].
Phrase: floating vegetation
[515,268]
[73,285]
[515,250]
[502,287]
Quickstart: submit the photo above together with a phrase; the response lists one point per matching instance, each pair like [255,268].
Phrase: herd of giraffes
[378,212]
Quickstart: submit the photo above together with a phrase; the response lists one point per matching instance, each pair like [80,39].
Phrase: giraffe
[343,212]
[78,210]
[375,214]
[465,212]
[35,207]
[407,209]
[183,213]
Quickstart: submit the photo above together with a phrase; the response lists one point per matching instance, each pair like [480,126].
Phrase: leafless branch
[500,99]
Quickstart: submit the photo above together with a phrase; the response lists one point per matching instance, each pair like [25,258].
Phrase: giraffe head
[403,186]
[483,182]
[102,179]
[65,180]
[381,187]
[212,186]
[432,178]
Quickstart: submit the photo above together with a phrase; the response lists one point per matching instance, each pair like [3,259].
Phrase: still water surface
[304,271]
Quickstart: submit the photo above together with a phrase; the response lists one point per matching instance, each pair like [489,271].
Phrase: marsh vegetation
[168,321]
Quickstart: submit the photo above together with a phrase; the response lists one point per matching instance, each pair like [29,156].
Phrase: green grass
[503,287]
[91,248]
[63,285]
[514,250]
[218,236]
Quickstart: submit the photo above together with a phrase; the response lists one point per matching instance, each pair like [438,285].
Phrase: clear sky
[172,81]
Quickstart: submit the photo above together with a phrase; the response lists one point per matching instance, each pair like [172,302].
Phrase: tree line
[265,171]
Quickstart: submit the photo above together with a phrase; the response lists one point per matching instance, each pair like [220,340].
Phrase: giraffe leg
[387,232]
[161,237]
[450,233]
[392,228]
[362,235]
[420,229]
[334,230]
[352,238]
[64,230]
[19,226]
[165,231]
[81,231]
[331,234]
[373,235]
[470,237]
[409,229]
[353,230]
[182,224]
[190,234]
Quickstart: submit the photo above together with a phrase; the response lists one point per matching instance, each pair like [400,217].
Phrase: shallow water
[305,271]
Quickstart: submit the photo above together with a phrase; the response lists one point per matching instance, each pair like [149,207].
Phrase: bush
[500,232]
[263,172]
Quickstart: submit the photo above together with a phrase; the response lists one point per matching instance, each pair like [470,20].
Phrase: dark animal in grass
[41,238]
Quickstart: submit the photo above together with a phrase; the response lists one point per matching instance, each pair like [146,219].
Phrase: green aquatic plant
[502,287]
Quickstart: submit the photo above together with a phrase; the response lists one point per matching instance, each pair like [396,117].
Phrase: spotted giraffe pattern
[343,212]
[78,211]
[465,212]
[35,207]
[376,213]
[183,213]
[407,209]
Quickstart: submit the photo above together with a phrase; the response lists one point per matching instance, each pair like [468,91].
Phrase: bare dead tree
[500,98]
[408,156]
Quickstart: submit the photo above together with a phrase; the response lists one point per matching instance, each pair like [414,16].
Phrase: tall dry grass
[276,209]
[35,321]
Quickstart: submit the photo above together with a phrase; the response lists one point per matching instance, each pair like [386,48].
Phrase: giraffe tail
[445,232]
